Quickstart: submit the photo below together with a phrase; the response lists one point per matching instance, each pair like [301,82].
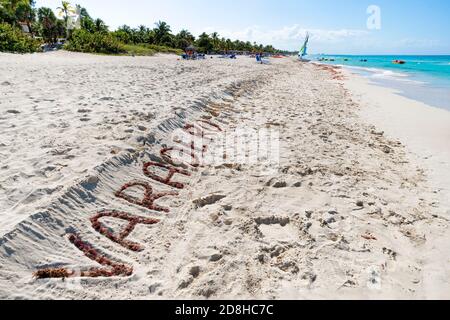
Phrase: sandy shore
[425,131]
[350,210]
[63,114]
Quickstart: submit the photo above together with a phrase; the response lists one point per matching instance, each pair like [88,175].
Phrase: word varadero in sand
[114,269]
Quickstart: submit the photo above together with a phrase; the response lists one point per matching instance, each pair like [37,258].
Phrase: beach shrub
[164,49]
[94,42]
[14,40]
[139,50]
[144,49]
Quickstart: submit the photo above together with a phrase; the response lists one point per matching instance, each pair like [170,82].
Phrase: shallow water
[423,78]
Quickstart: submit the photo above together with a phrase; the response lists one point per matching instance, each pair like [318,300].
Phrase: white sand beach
[425,131]
[357,207]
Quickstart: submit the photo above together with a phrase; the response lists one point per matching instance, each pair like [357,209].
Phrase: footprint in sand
[276,229]
[107,99]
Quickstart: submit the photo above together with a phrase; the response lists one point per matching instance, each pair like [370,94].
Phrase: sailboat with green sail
[304,50]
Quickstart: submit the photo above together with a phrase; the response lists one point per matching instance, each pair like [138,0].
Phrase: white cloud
[289,37]
[338,41]
[419,43]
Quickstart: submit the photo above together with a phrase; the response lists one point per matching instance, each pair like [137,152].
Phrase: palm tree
[143,29]
[48,21]
[184,34]
[215,40]
[64,11]
[100,26]
[204,42]
[162,32]
[142,34]
[228,44]
[184,39]
[223,44]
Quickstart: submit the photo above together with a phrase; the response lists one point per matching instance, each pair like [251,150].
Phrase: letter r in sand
[168,179]
[133,221]
[148,201]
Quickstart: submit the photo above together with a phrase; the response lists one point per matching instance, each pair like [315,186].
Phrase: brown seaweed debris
[121,238]
[149,196]
[168,179]
[112,269]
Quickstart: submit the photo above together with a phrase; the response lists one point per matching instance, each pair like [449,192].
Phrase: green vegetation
[13,40]
[93,35]
[162,35]
[94,42]
[48,26]
[144,49]
[64,11]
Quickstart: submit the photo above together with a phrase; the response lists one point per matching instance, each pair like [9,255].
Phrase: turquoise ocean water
[423,78]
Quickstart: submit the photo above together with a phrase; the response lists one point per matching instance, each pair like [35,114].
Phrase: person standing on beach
[259,57]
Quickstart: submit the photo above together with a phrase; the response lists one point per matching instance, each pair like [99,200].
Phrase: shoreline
[414,84]
[425,131]
[437,96]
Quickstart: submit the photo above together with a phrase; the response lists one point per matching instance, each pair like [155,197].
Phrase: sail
[303,50]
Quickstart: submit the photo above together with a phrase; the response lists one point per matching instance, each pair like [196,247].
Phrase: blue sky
[337,27]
